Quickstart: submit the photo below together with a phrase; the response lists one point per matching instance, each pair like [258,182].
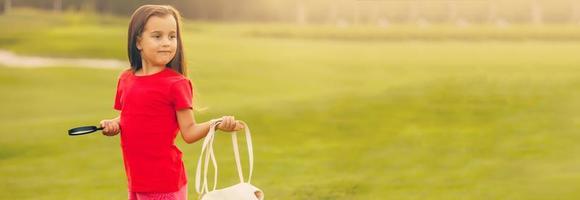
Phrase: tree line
[381,12]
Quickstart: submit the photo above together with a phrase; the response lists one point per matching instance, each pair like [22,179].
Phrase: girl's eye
[172,37]
[156,36]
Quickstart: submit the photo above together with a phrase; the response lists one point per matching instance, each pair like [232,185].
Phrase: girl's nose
[166,41]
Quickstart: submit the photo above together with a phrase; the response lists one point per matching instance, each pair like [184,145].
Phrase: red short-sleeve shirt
[148,106]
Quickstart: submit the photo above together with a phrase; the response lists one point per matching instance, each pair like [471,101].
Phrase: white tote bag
[241,191]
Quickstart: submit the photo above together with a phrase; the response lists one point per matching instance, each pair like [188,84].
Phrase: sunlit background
[346,99]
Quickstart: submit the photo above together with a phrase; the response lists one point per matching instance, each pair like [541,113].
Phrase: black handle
[83,130]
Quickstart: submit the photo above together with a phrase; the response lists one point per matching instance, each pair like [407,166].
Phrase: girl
[155,100]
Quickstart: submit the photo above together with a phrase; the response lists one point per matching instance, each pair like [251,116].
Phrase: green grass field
[331,118]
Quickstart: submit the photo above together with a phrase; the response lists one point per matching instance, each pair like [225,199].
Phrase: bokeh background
[346,99]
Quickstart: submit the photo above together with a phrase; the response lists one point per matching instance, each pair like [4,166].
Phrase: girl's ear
[139,43]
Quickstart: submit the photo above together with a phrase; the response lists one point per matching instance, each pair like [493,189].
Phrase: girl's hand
[229,124]
[110,127]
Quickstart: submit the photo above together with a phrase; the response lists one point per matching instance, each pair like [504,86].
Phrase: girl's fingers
[227,122]
[105,132]
[114,129]
[108,127]
[111,127]
[232,123]
[239,125]
[104,126]
[224,121]
[221,125]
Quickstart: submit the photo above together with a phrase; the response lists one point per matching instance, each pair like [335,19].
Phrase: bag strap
[207,151]
[250,153]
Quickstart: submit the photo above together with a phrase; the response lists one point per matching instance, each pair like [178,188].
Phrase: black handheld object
[83,130]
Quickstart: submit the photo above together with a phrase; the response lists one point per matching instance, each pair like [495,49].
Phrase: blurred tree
[575,17]
[57,5]
[301,12]
[104,6]
[452,11]
[413,12]
[492,11]
[7,6]
[536,12]
[333,11]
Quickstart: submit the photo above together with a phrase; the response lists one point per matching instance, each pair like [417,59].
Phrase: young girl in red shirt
[155,100]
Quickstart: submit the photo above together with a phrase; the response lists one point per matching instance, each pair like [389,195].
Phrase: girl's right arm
[111,127]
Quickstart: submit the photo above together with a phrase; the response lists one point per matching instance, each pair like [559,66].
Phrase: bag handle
[207,149]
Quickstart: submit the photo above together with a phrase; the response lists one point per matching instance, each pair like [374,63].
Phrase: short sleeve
[182,94]
[118,104]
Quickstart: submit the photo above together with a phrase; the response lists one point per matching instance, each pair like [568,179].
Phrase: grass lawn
[331,118]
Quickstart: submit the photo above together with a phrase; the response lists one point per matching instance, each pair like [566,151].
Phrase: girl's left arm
[190,131]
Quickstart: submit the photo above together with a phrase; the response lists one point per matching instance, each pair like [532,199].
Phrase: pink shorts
[179,195]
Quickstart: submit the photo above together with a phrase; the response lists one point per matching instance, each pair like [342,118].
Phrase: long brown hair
[136,26]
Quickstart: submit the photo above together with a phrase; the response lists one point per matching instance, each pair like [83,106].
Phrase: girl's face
[158,42]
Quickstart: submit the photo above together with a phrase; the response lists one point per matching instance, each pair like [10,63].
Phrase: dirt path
[10,59]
